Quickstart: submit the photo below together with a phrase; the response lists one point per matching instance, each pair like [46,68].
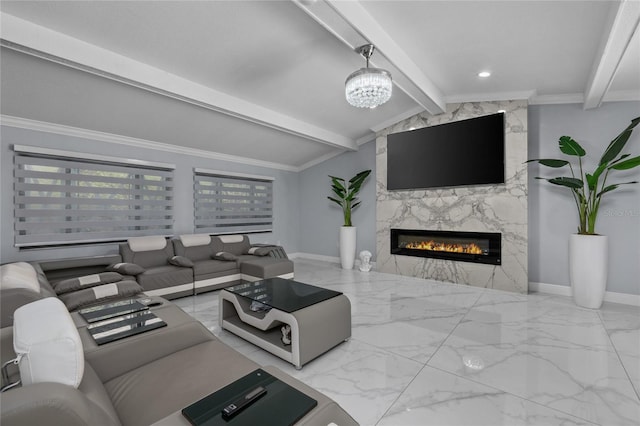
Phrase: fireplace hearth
[476,247]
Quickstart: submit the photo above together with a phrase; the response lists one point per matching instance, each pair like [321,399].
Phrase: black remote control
[241,403]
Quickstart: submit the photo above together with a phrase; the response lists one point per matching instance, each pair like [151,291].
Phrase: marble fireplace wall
[486,208]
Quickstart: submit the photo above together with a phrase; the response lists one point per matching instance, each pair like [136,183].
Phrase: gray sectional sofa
[68,379]
[208,263]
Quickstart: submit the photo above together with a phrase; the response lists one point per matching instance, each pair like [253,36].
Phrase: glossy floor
[430,353]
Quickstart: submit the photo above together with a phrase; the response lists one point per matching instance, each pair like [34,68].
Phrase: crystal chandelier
[368,87]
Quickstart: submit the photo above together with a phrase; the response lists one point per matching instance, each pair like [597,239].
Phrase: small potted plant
[588,251]
[345,195]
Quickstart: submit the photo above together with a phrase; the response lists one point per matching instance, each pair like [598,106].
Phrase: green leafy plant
[346,192]
[588,188]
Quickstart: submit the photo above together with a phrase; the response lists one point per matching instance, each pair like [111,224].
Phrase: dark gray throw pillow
[223,255]
[181,261]
[126,268]
[87,281]
[260,251]
[88,296]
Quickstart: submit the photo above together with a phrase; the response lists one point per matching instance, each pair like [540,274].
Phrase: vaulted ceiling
[263,81]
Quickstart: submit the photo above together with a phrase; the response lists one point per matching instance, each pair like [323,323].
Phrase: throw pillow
[126,268]
[87,281]
[260,251]
[181,261]
[223,255]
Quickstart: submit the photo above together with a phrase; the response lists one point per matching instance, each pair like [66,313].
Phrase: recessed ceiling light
[484,74]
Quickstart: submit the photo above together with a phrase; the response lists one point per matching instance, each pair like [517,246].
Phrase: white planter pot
[347,246]
[588,269]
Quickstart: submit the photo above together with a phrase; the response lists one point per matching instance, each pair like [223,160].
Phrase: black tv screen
[466,152]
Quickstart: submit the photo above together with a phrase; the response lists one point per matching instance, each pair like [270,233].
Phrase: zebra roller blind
[63,198]
[231,203]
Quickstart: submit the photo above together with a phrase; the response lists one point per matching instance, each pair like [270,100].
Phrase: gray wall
[286,218]
[320,219]
[552,212]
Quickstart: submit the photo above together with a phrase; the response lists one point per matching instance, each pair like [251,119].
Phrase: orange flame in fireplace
[471,248]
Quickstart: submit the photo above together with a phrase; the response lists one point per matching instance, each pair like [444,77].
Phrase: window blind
[229,204]
[66,199]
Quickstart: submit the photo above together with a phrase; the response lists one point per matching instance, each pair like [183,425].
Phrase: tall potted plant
[345,195]
[588,251]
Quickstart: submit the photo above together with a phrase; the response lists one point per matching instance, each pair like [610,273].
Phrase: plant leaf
[360,176]
[550,162]
[619,142]
[592,181]
[571,147]
[569,182]
[335,201]
[337,182]
[596,174]
[628,164]
[614,186]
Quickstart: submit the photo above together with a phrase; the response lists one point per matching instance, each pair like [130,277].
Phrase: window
[229,203]
[69,198]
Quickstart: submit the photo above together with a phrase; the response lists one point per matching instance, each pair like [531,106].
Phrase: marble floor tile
[363,379]
[623,325]
[424,352]
[552,354]
[440,398]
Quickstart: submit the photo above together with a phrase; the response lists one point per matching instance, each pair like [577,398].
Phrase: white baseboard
[312,256]
[323,258]
[563,290]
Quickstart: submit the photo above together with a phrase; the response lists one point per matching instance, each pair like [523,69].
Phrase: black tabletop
[283,294]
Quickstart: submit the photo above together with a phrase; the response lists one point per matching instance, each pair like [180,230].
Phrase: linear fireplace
[476,247]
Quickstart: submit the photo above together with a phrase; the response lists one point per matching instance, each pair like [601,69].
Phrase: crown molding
[490,97]
[622,96]
[567,98]
[76,132]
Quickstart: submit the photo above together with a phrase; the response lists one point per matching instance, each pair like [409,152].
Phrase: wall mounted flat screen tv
[466,152]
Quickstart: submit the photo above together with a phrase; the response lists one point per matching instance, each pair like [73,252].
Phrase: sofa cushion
[147,259]
[88,281]
[88,296]
[236,244]
[165,277]
[206,267]
[19,275]
[193,240]
[47,343]
[181,261]
[137,244]
[223,255]
[266,267]
[195,253]
[126,268]
[175,381]
[231,239]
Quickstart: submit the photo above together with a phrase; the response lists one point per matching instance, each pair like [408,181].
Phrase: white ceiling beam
[27,37]
[613,47]
[354,26]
